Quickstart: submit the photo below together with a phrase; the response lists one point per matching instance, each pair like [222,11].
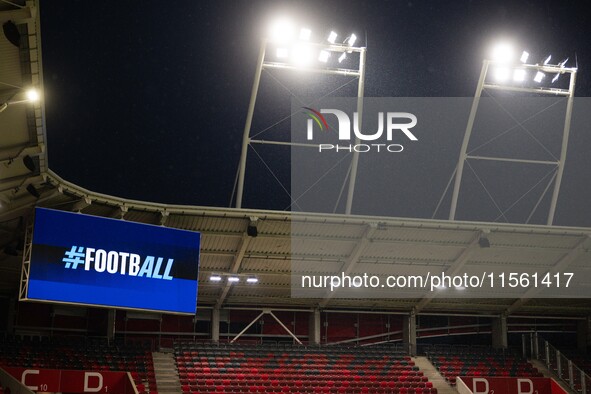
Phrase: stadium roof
[347,243]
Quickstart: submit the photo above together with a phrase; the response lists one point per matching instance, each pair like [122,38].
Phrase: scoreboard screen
[90,260]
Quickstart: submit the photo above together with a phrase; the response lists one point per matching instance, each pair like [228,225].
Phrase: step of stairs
[434,376]
[167,376]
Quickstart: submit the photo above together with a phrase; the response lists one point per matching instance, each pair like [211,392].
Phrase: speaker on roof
[12,34]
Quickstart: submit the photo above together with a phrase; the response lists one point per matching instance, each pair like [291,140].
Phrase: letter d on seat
[96,388]
[480,388]
[521,383]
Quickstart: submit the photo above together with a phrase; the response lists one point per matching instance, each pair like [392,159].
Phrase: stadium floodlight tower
[507,72]
[291,50]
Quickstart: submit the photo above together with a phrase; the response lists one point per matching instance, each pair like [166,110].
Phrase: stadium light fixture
[323,56]
[351,40]
[281,31]
[502,73]
[301,55]
[233,279]
[519,75]
[299,50]
[332,37]
[32,95]
[305,34]
[252,279]
[527,78]
[215,278]
[502,53]
[282,53]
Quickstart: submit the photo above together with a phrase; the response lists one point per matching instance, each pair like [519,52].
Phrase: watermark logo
[318,118]
[391,124]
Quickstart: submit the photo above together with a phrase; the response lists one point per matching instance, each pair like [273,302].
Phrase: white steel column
[565,134]
[464,149]
[215,325]
[314,328]
[247,125]
[355,160]
[409,333]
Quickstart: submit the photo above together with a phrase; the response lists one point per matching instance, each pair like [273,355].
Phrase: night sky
[147,99]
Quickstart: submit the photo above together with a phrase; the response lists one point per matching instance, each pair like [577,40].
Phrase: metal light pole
[483,85]
[248,124]
[263,64]
[355,160]
[467,134]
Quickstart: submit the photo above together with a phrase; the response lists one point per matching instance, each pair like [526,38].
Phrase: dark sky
[147,99]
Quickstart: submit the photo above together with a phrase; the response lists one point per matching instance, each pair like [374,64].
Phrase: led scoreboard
[90,260]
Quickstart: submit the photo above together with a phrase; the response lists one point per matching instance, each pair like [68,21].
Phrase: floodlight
[555,78]
[233,279]
[342,57]
[282,53]
[215,278]
[32,95]
[547,59]
[524,56]
[332,37]
[502,53]
[351,40]
[539,76]
[324,55]
[519,75]
[501,73]
[252,280]
[281,31]
[305,34]
[301,55]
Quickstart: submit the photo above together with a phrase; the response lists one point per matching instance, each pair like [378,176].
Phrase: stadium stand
[273,368]
[78,353]
[455,361]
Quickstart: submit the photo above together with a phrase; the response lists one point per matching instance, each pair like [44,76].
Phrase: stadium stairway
[548,374]
[434,376]
[167,376]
